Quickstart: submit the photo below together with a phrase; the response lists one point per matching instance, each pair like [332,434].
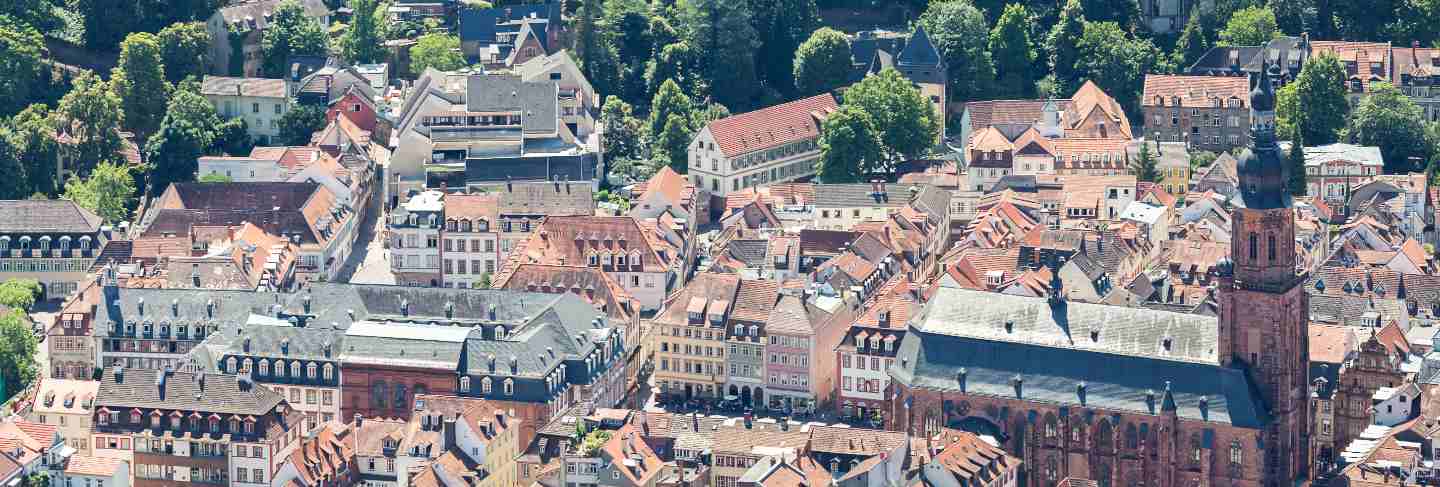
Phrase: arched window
[464,384]
[1271,242]
[485,385]
[264,368]
[378,393]
[234,425]
[249,426]
[295,369]
[400,401]
[329,372]
[1254,247]
[1132,440]
[230,365]
[280,368]
[509,387]
[85,242]
[1237,452]
[1105,437]
[246,367]
[214,424]
[310,371]
[65,243]
[45,243]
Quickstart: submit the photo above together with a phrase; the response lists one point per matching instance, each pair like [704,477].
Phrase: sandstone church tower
[1264,310]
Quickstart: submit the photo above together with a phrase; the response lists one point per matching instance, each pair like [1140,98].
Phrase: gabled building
[644,256]
[774,144]
[1208,112]
[245,22]
[509,35]
[261,102]
[54,242]
[193,428]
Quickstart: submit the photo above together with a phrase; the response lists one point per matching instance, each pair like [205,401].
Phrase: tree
[300,123]
[1013,53]
[13,185]
[1125,13]
[1393,122]
[958,31]
[31,134]
[439,51]
[822,62]
[721,30]
[598,60]
[19,294]
[1063,46]
[290,33]
[216,178]
[232,137]
[904,120]
[108,191]
[39,14]
[669,100]
[139,82]
[623,132]
[627,26]
[184,50]
[1315,102]
[91,114]
[1294,17]
[680,63]
[188,132]
[1194,41]
[17,354]
[1297,165]
[1116,62]
[106,22]
[484,281]
[782,25]
[1250,26]
[362,42]
[1366,20]
[849,147]
[1144,166]
[21,66]
[672,144]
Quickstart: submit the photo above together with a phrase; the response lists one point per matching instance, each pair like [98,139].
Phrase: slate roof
[919,51]
[481,25]
[405,345]
[545,198]
[1052,374]
[536,101]
[859,195]
[1347,310]
[256,87]
[257,13]
[222,393]
[307,343]
[46,216]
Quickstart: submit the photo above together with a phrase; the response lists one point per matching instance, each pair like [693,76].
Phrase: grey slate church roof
[919,50]
[1115,355]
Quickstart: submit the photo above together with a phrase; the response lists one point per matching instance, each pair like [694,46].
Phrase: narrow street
[369,262]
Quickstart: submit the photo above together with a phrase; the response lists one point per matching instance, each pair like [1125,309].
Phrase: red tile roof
[772,126]
[1331,343]
[1194,91]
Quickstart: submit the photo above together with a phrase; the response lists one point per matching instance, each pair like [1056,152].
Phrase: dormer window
[329,372]
[485,385]
[464,384]
[509,387]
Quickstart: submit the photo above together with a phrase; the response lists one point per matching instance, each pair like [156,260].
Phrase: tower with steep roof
[921,63]
[1264,316]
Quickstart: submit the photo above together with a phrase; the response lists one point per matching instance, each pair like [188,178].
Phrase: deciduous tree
[439,51]
[362,42]
[1116,62]
[672,143]
[1393,122]
[19,294]
[849,147]
[721,30]
[22,70]
[623,132]
[1013,53]
[1144,168]
[108,191]
[1250,26]
[1315,102]
[1063,46]
[291,33]
[822,63]
[31,134]
[782,25]
[139,82]
[188,132]
[90,113]
[958,31]
[17,354]
[300,123]
[669,100]
[185,50]
[904,120]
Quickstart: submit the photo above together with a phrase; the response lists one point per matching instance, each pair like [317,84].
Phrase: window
[1254,247]
[254,108]
[278,108]
[485,385]
[1237,452]
[329,371]
[327,397]
[464,384]
[1271,243]
[509,387]
[310,371]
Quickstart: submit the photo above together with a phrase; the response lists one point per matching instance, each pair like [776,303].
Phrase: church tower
[1264,316]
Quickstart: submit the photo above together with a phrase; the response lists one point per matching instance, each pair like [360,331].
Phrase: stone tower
[1264,309]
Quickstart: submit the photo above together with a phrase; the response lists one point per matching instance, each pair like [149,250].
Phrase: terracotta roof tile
[1194,91]
[772,126]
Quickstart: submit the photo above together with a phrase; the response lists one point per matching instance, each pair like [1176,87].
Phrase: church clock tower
[1264,312]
